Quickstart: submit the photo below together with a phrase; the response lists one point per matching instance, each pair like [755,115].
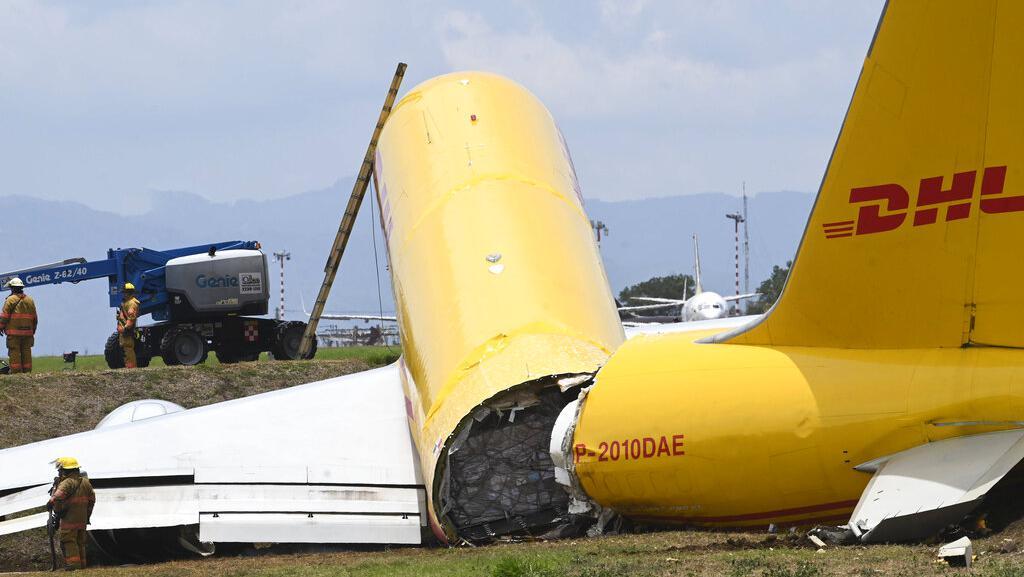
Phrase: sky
[111,102]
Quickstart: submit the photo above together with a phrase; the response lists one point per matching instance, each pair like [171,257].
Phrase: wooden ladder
[348,219]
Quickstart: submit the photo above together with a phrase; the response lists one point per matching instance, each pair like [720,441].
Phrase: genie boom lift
[203,298]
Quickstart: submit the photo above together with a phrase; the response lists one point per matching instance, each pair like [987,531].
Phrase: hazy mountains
[648,238]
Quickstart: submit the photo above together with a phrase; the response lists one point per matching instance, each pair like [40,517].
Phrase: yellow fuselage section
[496,275]
[733,435]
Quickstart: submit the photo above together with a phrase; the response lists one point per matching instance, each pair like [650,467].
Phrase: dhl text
[888,205]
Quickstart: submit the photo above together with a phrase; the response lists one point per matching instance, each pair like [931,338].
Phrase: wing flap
[311,528]
[20,524]
[24,500]
[916,493]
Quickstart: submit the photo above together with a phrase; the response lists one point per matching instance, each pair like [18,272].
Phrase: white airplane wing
[659,300]
[330,461]
[916,493]
[348,317]
[722,324]
[648,307]
[739,297]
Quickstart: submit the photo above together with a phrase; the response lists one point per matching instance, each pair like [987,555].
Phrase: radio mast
[281,256]
[746,243]
[737,218]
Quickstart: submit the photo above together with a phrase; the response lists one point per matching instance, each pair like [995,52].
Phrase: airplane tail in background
[698,285]
[915,238]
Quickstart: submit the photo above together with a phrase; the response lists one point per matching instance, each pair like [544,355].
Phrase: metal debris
[959,553]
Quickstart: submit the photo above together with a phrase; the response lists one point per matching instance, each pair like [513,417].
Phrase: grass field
[374,356]
[682,553]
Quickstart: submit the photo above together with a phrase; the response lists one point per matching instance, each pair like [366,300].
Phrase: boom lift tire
[183,346]
[114,354]
[288,339]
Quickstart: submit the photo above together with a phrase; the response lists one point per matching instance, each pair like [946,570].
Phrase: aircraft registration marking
[633,449]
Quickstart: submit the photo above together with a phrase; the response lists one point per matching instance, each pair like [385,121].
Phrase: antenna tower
[737,218]
[281,257]
[746,243]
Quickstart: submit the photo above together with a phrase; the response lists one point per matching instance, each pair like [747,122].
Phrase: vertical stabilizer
[699,286]
[915,235]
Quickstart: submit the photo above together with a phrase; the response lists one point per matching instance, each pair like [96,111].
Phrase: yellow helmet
[129,286]
[66,463]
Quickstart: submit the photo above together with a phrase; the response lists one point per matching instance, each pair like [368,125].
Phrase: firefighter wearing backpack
[19,321]
[73,501]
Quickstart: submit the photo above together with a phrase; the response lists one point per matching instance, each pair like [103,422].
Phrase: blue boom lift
[200,297]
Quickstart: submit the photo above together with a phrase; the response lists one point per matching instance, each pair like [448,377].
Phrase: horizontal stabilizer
[916,493]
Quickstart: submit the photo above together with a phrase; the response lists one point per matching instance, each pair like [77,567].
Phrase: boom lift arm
[205,298]
[143,267]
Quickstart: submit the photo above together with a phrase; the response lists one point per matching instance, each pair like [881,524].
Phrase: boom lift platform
[198,296]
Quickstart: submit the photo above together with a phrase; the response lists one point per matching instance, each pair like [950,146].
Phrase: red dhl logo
[895,201]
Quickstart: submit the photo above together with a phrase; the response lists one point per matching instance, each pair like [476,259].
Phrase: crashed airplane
[883,393]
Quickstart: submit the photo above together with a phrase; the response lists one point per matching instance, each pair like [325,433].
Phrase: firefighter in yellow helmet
[18,319]
[73,501]
[127,314]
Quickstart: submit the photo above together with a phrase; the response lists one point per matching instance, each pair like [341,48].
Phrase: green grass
[374,356]
[682,553]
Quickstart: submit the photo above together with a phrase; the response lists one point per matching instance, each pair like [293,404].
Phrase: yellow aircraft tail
[917,234]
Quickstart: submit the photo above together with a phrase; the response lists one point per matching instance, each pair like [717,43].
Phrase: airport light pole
[281,257]
[599,228]
[737,218]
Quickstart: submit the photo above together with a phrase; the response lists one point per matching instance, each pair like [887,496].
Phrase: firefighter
[73,500]
[127,313]
[18,319]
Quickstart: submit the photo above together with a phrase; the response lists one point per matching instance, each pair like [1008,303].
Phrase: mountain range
[649,237]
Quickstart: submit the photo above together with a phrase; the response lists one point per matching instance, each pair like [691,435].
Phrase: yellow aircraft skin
[735,435]
[901,321]
[496,274]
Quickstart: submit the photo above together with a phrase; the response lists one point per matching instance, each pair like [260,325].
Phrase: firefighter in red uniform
[127,314]
[18,319]
[73,500]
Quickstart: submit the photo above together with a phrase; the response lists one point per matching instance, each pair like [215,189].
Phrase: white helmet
[15,282]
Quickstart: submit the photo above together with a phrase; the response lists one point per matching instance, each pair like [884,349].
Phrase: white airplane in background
[702,306]
[349,317]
